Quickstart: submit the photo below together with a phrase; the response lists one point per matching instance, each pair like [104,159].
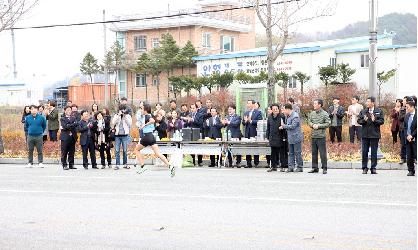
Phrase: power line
[145,18]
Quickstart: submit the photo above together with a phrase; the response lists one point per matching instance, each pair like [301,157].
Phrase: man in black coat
[277,139]
[336,114]
[213,127]
[371,118]
[87,136]
[410,125]
[195,120]
[233,123]
[251,117]
[68,138]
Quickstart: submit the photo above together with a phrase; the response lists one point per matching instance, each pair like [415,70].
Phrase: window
[206,40]
[140,80]
[292,82]
[155,82]
[155,42]
[227,44]
[140,43]
[364,60]
[28,94]
[333,61]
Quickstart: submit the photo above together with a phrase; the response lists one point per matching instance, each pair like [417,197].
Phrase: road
[205,208]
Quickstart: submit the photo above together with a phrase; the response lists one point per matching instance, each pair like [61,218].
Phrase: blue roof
[12,85]
[293,48]
[383,47]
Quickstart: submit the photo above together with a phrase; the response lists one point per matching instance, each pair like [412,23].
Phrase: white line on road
[326,183]
[214,197]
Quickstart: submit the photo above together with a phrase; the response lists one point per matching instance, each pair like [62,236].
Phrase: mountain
[404,25]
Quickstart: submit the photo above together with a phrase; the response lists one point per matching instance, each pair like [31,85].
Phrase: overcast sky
[54,53]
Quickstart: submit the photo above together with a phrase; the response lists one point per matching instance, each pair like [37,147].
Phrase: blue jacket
[234,126]
[293,128]
[35,125]
[250,128]
[213,130]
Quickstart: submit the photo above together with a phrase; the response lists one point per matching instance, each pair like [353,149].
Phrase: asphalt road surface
[205,208]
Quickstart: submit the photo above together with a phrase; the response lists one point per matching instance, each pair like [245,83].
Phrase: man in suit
[206,110]
[213,127]
[68,138]
[336,114]
[232,123]
[277,139]
[251,117]
[410,125]
[87,139]
[195,120]
[371,118]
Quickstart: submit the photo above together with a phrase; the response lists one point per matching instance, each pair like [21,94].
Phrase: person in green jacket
[319,121]
[53,120]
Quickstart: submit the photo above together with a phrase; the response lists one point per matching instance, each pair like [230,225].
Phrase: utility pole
[14,54]
[106,83]
[373,48]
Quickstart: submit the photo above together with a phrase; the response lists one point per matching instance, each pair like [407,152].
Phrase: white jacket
[127,123]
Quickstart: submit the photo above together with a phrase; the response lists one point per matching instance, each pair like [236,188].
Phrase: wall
[82,94]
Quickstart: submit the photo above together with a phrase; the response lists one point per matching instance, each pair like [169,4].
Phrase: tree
[223,81]
[155,68]
[262,77]
[89,67]
[108,66]
[279,18]
[200,82]
[185,57]
[301,78]
[167,52]
[284,79]
[118,54]
[143,66]
[383,77]
[327,74]
[243,78]
[12,11]
[345,72]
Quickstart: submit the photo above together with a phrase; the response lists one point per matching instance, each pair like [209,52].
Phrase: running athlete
[149,140]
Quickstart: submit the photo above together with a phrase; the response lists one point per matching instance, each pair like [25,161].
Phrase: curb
[331,165]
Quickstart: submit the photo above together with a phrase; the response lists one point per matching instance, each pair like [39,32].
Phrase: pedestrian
[184,111]
[124,101]
[94,110]
[353,111]
[174,124]
[295,106]
[43,112]
[68,138]
[336,114]
[159,109]
[101,127]
[173,107]
[140,119]
[149,140]
[411,136]
[206,115]
[371,118]
[319,121]
[122,123]
[251,117]
[268,157]
[53,122]
[87,139]
[396,123]
[195,120]
[69,103]
[232,123]
[35,125]
[26,112]
[213,127]
[75,111]
[294,138]
[277,139]
[402,132]
[161,125]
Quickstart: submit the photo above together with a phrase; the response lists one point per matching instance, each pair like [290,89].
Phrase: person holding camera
[371,118]
[122,123]
[87,138]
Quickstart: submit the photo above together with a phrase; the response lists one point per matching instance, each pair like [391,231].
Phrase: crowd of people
[97,129]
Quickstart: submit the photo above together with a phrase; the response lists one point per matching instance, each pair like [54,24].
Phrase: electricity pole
[373,48]
[106,95]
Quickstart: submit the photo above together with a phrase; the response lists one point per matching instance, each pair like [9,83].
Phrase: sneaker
[126,167]
[30,165]
[142,169]
[172,171]
[41,165]
[116,168]
[110,165]
[103,166]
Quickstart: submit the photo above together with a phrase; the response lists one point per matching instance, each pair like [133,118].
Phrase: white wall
[20,97]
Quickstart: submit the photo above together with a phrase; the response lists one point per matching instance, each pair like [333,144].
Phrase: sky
[47,55]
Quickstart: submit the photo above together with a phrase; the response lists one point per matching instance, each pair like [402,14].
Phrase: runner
[149,140]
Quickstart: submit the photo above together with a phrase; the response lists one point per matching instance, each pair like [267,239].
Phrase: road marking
[214,197]
[326,183]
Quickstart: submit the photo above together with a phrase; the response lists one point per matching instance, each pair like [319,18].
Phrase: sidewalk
[331,165]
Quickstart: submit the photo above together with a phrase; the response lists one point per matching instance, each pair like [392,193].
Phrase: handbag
[112,134]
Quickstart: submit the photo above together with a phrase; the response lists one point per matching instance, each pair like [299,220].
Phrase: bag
[112,134]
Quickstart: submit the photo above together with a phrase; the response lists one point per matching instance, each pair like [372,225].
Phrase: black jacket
[277,137]
[234,126]
[106,129]
[402,114]
[161,128]
[214,128]
[413,126]
[371,129]
[84,130]
[69,127]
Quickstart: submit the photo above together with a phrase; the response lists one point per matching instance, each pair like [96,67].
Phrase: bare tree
[282,18]
[13,10]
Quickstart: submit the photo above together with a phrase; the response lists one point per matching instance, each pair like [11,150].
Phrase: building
[210,33]
[307,57]
[17,94]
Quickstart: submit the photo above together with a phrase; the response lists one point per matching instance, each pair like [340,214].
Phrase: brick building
[210,33]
